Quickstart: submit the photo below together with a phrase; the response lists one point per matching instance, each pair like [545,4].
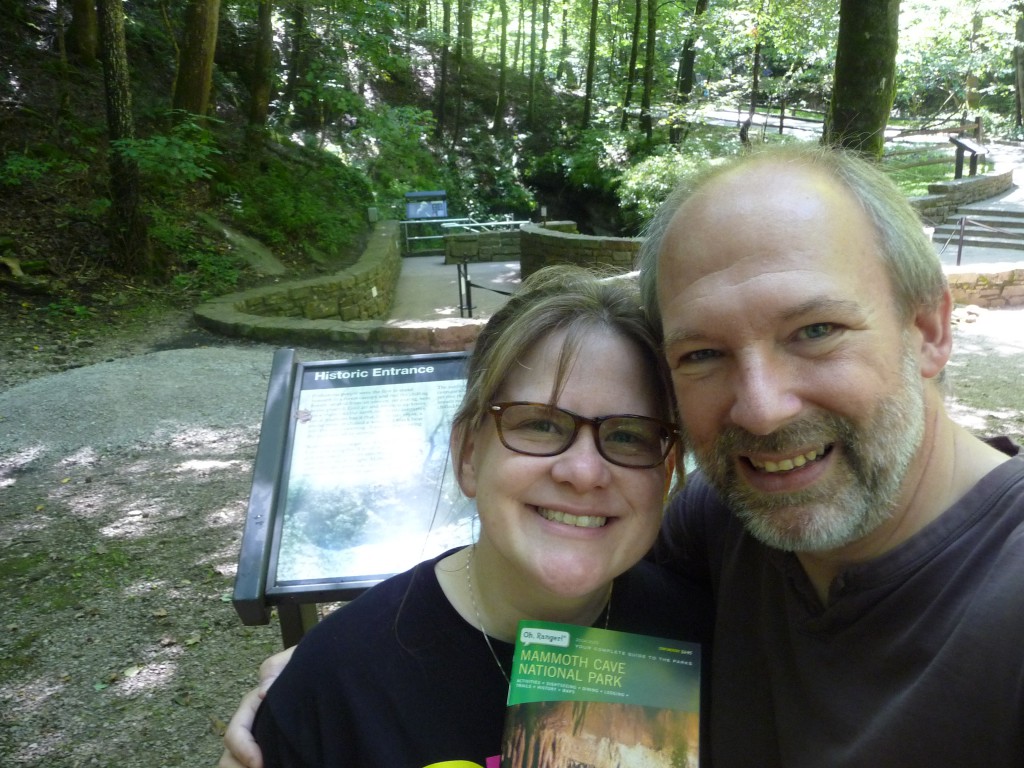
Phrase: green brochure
[595,698]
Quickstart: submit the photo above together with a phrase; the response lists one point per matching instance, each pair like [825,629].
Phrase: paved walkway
[428,289]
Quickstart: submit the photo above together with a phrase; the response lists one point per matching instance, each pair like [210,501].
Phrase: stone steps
[985,227]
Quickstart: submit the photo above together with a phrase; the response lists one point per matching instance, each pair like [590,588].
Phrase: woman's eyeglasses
[538,429]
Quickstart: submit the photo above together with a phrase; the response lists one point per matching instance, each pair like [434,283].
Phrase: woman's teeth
[580,521]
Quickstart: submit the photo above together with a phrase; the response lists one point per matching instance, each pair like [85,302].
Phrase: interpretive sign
[353,481]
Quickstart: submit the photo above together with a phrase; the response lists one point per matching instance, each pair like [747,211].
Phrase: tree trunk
[688,58]
[460,57]
[466,28]
[532,87]
[646,118]
[588,98]
[865,72]
[263,72]
[754,84]
[296,52]
[195,69]
[129,239]
[499,107]
[634,53]
[82,36]
[542,65]
[442,81]
[1018,56]
[564,71]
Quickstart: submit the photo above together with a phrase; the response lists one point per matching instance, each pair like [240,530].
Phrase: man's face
[799,386]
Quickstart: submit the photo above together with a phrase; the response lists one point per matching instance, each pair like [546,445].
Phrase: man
[866,553]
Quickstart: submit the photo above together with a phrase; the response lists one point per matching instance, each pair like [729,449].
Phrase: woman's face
[570,523]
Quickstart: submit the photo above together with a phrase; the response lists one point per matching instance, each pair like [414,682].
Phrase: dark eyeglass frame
[497,410]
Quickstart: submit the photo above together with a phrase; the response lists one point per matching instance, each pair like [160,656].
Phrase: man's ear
[934,323]
[461,447]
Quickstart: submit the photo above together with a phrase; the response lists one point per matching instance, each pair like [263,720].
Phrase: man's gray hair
[906,252]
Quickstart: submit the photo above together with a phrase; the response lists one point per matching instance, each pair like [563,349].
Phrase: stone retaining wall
[473,247]
[945,197]
[990,290]
[364,291]
[349,309]
[556,243]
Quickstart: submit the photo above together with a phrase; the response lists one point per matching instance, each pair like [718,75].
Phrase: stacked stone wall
[945,197]
[364,291]
[989,290]
[474,247]
[559,243]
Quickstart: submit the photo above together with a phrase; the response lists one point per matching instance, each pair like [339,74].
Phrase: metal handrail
[466,290]
[964,220]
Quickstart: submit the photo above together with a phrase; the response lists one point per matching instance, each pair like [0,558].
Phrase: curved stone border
[348,308]
[945,197]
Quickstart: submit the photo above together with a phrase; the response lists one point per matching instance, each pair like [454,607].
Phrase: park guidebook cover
[596,698]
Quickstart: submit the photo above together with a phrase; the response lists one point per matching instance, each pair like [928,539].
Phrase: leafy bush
[205,267]
[646,184]
[317,204]
[19,168]
[173,160]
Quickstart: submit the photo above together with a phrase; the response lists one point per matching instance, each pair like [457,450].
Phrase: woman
[565,440]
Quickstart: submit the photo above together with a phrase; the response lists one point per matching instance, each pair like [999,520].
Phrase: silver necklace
[480,621]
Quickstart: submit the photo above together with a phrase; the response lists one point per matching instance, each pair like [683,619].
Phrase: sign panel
[368,485]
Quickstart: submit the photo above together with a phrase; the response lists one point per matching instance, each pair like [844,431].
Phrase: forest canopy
[124,121]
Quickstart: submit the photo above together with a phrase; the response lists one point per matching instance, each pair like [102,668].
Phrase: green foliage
[171,161]
[647,183]
[314,202]
[483,178]
[204,267]
[67,307]
[392,147]
[19,168]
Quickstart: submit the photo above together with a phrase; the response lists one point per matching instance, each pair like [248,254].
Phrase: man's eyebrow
[824,305]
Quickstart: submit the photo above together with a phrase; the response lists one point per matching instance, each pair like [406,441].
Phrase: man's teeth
[787,464]
[580,521]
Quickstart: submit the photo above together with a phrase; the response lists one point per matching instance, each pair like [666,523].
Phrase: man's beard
[866,481]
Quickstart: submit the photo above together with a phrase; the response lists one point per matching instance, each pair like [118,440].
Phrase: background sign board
[353,480]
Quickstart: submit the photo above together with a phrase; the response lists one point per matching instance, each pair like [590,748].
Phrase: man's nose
[764,396]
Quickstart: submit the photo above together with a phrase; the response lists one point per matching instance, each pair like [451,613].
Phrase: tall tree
[755,73]
[588,95]
[1018,59]
[263,66]
[498,126]
[194,78]
[82,36]
[295,67]
[865,75]
[634,53]
[688,57]
[532,89]
[646,98]
[542,65]
[441,111]
[129,237]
